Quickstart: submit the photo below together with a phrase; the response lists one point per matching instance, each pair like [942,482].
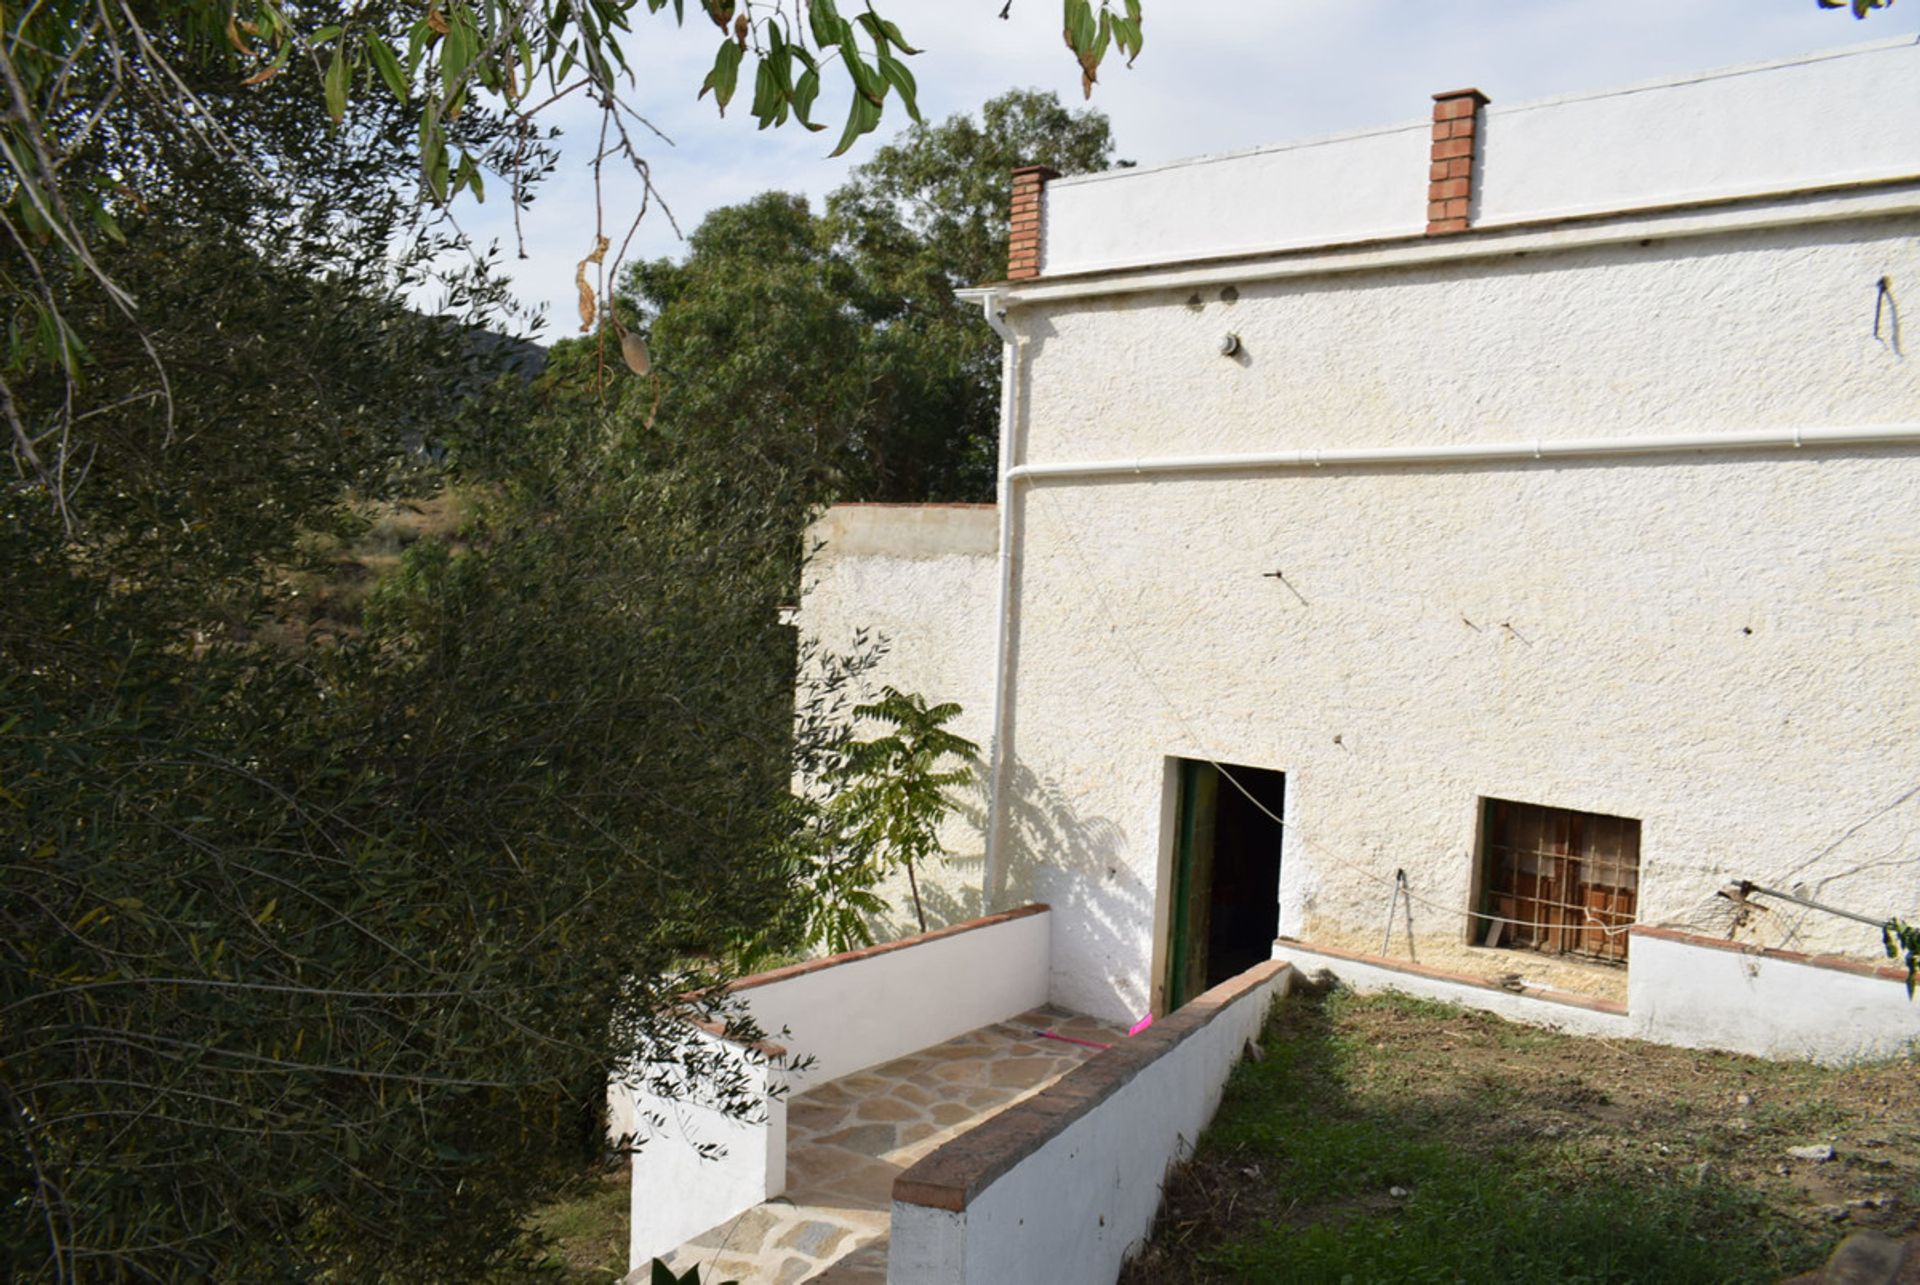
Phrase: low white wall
[1537,1006]
[677,1192]
[858,1010]
[1844,116]
[1348,188]
[1703,994]
[1822,119]
[1683,990]
[846,1013]
[1088,1156]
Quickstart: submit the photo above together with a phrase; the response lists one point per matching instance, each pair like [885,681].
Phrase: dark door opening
[1226,890]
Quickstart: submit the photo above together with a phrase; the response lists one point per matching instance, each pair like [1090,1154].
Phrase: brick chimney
[1023,245]
[1450,178]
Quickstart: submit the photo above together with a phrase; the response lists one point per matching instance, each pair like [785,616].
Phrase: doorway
[1226,874]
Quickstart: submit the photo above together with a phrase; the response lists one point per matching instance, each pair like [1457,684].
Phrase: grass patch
[587,1228]
[1387,1139]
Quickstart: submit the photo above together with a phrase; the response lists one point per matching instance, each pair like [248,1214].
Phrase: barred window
[1557,881]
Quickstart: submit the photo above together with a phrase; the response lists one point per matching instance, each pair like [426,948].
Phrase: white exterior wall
[921,579]
[1718,645]
[1570,634]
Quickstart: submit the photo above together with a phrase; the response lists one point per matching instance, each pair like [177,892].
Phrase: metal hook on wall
[1885,303]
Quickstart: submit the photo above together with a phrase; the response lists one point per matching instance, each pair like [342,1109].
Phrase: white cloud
[1214,77]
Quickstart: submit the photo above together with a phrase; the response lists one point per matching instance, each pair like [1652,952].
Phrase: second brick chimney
[1450,177]
[1023,245]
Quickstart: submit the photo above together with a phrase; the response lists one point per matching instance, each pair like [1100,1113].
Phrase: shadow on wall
[1866,868]
[1057,855]
[950,883]
[1103,912]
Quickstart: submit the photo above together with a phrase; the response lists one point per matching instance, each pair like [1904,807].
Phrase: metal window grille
[1558,881]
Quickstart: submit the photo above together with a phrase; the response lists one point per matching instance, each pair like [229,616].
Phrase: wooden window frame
[1555,881]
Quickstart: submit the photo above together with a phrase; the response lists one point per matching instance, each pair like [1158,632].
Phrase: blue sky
[1214,77]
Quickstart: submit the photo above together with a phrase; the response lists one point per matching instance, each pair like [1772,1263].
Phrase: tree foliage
[134,152]
[1902,942]
[757,350]
[832,344]
[114,108]
[893,789]
[315,957]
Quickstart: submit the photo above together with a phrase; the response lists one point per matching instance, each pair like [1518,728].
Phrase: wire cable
[1117,629]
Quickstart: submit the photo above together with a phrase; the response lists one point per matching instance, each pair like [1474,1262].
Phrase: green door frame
[1199,784]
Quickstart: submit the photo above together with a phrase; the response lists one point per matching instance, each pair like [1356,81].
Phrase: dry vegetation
[330,592]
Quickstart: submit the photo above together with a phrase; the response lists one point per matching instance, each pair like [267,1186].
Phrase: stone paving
[848,1140]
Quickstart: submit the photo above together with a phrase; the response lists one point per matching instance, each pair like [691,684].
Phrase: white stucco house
[1510,517]
[1478,556]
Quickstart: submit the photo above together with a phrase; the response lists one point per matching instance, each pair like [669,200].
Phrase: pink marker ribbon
[1135,1029]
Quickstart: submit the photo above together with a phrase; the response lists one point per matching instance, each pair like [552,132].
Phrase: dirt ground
[1382,1138]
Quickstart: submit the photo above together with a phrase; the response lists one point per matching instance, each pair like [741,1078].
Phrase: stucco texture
[1721,646]
[920,582]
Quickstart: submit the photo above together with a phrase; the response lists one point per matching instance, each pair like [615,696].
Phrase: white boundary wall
[1716,996]
[869,1007]
[1740,131]
[1683,990]
[1074,1206]
[847,1012]
[676,1193]
[1560,1011]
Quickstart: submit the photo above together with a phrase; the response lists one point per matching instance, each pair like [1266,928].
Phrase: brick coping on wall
[1836,963]
[1543,993]
[955,1174]
[913,504]
[765,1048]
[884,948]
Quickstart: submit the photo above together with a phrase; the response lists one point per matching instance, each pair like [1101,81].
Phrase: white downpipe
[993,305]
[1906,434]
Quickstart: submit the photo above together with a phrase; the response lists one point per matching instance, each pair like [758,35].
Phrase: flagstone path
[847,1140]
